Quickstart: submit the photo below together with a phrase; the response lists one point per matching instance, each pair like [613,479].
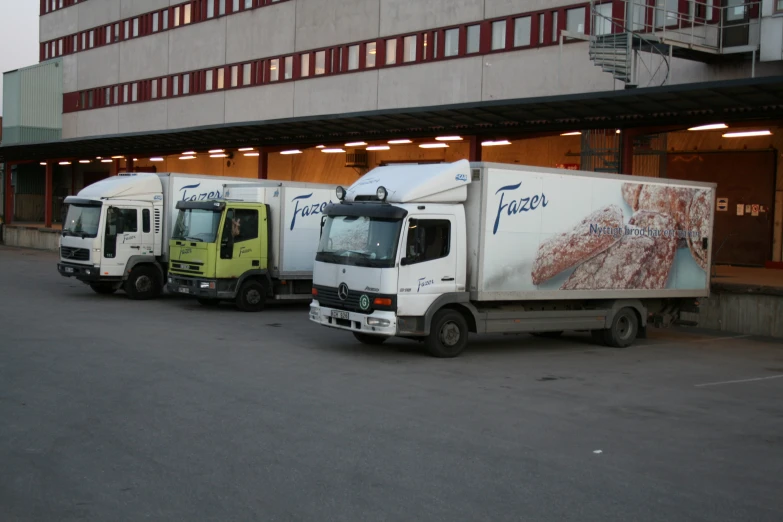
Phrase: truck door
[428,266]
[122,239]
[240,243]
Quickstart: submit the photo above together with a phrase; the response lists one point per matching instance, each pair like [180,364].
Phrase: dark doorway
[744,178]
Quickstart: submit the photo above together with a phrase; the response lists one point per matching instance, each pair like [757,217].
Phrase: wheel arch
[458,302]
[136,261]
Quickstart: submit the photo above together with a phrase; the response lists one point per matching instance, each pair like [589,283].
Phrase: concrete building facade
[261,88]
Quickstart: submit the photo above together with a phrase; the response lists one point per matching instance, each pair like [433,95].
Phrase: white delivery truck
[258,242]
[116,233]
[433,252]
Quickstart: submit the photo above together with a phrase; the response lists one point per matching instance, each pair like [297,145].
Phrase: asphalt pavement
[117,410]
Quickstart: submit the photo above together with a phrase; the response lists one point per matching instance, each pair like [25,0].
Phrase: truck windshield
[82,220]
[195,224]
[359,241]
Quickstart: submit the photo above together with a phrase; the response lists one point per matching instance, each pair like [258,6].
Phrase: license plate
[68,270]
[337,314]
[184,290]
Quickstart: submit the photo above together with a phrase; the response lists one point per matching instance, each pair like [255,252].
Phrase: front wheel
[143,283]
[624,329]
[448,334]
[104,288]
[369,339]
[251,296]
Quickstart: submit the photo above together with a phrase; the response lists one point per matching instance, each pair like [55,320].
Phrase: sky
[18,36]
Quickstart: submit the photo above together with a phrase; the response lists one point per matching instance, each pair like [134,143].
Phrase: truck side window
[130,219]
[428,239]
[145,219]
[245,225]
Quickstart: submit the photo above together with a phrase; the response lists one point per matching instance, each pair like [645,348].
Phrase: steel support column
[263,163]
[474,153]
[48,194]
[8,208]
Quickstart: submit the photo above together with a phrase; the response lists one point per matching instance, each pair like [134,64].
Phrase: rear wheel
[369,339]
[203,301]
[448,334]
[624,329]
[251,296]
[143,283]
[104,288]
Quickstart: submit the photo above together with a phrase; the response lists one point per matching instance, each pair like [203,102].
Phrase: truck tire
[369,339]
[251,296]
[624,329]
[203,301]
[448,334]
[104,288]
[143,283]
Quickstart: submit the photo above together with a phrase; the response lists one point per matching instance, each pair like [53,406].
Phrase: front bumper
[197,287]
[375,323]
[85,273]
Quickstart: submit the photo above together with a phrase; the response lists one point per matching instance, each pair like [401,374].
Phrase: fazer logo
[192,193]
[304,208]
[518,205]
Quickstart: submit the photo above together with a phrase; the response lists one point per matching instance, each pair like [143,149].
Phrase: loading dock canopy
[684,105]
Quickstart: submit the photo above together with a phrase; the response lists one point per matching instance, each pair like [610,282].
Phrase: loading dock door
[745,178]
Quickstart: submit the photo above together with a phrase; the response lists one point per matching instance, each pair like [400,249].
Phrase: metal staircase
[613,53]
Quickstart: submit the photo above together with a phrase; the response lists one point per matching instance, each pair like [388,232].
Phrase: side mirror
[323,223]
[405,261]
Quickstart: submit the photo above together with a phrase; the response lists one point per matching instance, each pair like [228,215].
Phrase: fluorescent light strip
[43,163]
[217,151]
[156,159]
[356,144]
[252,154]
[246,149]
[84,161]
[433,145]
[576,133]
[748,134]
[379,147]
[289,152]
[218,155]
[399,142]
[117,157]
[188,153]
[105,161]
[332,151]
[449,138]
[711,126]
[320,146]
[187,157]
[64,163]
[495,143]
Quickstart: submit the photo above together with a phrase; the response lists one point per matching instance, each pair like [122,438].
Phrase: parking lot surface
[112,409]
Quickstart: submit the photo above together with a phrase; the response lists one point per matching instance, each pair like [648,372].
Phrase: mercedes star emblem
[342,292]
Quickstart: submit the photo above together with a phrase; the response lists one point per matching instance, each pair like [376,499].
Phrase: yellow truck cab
[258,243]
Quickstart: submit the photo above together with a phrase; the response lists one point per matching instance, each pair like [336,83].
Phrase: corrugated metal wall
[33,103]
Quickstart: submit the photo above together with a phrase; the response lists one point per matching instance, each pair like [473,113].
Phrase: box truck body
[493,248]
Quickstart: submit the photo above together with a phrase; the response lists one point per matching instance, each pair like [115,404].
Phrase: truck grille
[328,297]
[74,254]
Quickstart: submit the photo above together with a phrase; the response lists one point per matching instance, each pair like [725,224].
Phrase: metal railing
[703,26]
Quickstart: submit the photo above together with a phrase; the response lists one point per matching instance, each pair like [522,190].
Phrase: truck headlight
[315,314]
[373,321]
[207,285]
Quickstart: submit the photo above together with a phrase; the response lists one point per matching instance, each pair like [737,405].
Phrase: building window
[92,39]
[175,85]
[575,20]
[125,97]
[246,70]
[391,52]
[234,6]
[603,23]
[221,7]
[522,28]
[288,73]
[90,99]
[498,35]
[134,92]
[116,32]
[126,32]
[555,31]
[154,22]
[234,76]
[108,34]
[274,70]
[116,95]
[60,46]
[248,4]
[208,79]
[541,28]
[107,96]
[320,62]
[451,46]
[353,57]
[371,51]
[75,43]
[210,8]
[154,89]
[305,68]
[474,39]
[176,17]
[164,87]
[409,49]
[667,12]
[435,45]
[187,10]
[135,27]
[221,78]
[185,84]
[164,17]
